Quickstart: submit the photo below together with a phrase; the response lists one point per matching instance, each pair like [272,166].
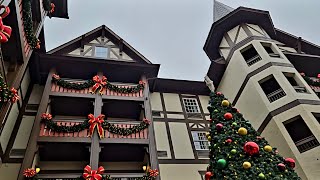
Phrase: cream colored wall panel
[224,43]
[256,27]
[251,105]
[9,171]
[156,102]
[181,171]
[162,138]
[175,116]
[204,101]
[24,132]
[25,82]
[75,52]
[233,33]
[288,49]
[172,102]
[180,140]
[7,130]
[208,117]
[241,36]
[36,94]
[225,52]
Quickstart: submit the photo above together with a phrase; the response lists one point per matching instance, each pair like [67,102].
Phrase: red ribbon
[15,96]
[46,116]
[153,173]
[29,173]
[96,122]
[147,121]
[5,31]
[55,76]
[100,83]
[52,7]
[90,174]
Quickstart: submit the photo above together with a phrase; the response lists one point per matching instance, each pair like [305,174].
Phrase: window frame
[203,139]
[256,58]
[274,54]
[107,52]
[196,105]
[300,87]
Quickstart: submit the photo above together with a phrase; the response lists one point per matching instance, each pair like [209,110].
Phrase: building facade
[150,122]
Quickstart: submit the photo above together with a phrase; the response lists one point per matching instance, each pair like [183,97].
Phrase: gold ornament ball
[246,165]
[242,131]
[209,138]
[225,103]
[267,148]
[207,134]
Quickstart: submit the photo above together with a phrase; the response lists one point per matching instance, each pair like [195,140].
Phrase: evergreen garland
[89,83]
[28,24]
[311,82]
[7,94]
[125,131]
[66,129]
[46,5]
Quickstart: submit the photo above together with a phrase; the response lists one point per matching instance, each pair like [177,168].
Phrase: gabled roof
[101,31]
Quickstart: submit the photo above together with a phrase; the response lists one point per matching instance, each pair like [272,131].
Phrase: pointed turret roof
[220,10]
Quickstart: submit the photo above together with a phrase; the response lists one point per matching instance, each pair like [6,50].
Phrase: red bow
[46,116]
[29,173]
[5,31]
[100,83]
[55,76]
[153,173]
[93,174]
[52,8]
[147,121]
[15,97]
[96,122]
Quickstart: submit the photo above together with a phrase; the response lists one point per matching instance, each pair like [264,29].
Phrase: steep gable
[100,43]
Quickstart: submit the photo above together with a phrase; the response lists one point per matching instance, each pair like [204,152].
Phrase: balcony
[56,89]
[76,176]
[275,95]
[300,89]
[307,143]
[253,60]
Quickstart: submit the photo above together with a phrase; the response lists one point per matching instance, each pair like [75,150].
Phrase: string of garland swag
[89,174]
[33,41]
[91,123]
[97,84]
[7,94]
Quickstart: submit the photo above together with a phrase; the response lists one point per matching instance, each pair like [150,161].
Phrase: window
[301,134]
[250,55]
[272,89]
[101,52]
[317,116]
[297,86]
[270,50]
[200,140]
[191,105]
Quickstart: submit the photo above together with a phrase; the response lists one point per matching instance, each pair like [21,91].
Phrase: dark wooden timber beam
[148,115]
[32,143]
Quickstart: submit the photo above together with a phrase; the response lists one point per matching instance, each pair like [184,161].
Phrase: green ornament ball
[234,124]
[262,176]
[233,151]
[216,110]
[221,163]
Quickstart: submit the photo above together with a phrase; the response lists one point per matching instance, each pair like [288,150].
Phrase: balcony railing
[108,92]
[307,143]
[45,132]
[77,176]
[300,89]
[275,95]
[253,60]
[140,135]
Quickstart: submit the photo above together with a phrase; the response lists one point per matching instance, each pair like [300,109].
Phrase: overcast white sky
[172,32]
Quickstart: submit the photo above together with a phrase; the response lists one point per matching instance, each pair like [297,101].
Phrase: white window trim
[196,102]
[196,133]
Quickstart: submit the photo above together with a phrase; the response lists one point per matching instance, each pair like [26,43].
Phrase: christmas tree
[237,151]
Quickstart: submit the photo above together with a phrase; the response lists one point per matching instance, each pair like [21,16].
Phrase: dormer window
[101,52]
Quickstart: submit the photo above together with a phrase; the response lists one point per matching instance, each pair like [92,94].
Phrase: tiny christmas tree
[6,94]
[237,151]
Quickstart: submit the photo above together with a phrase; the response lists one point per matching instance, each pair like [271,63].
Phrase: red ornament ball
[229,141]
[208,175]
[219,126]
[281,167]
[219,93]
[227,116]
[251,148]
[290,162]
